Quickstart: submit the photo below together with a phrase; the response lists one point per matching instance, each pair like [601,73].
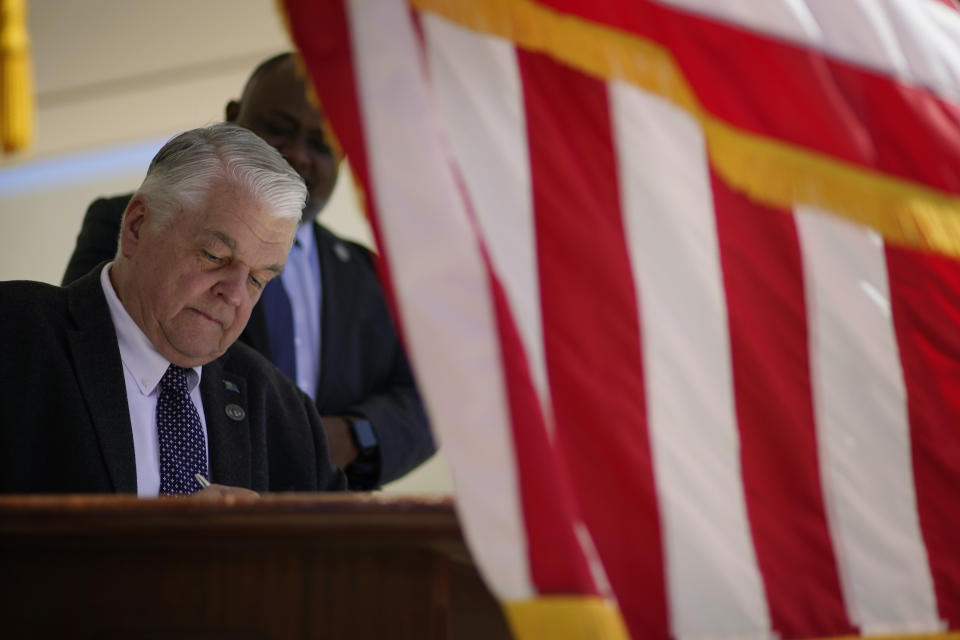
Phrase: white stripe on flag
[477,85]
[442,291]
[713,579]
[862,430]
[912,40]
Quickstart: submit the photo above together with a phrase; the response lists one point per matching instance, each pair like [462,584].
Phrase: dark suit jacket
[363,369]
[65,423]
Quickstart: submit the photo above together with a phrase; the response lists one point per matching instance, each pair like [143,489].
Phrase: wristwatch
[363,436]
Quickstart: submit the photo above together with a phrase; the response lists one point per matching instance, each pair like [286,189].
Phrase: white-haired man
[128,380]
[325,321]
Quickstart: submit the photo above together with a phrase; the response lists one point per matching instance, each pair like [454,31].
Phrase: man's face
[194,280]
[275,107]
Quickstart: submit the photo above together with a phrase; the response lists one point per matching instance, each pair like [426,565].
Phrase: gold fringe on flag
[565,618]
[16,77]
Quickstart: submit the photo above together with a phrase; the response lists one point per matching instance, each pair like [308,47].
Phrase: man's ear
[232,111]
[133,220]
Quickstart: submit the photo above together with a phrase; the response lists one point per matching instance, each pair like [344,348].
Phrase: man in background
[128,380]
[325,322]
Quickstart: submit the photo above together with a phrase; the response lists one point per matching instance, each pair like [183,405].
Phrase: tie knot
[175,379]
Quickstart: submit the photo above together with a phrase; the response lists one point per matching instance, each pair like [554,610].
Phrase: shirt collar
[304,238]
[140,358]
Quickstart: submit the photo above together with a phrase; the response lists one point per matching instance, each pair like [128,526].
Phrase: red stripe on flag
[591,332]
[557,562]
[321,31]
[925,300]
[763,278]
[798,95]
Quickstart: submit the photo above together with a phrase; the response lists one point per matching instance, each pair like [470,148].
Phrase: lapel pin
[230,386]
[235,412]
[341,252]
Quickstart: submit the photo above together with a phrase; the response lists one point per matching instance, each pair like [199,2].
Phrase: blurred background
[114,80]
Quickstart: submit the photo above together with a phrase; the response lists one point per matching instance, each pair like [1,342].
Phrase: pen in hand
[229,495]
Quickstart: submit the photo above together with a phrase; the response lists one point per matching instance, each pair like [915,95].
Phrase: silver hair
[182,173]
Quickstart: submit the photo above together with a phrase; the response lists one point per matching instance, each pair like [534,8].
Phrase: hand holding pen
[210,491]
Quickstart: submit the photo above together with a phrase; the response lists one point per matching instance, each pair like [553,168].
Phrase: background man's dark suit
[363,368]
[70,432]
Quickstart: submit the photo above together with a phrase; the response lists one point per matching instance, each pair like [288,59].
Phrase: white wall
[114,79]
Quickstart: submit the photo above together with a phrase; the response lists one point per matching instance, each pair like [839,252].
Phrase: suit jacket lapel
[228,425]
[338,303]
[100,375]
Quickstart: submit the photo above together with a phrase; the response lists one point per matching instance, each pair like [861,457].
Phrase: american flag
[679,282]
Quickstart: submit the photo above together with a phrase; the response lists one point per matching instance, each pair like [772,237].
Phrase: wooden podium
[287,566]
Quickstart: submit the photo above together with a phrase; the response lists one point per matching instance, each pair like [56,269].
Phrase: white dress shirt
[143,367]
[301,280]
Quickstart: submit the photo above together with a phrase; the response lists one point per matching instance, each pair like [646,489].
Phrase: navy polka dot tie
[182,450]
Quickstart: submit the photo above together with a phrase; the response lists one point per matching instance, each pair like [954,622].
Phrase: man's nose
[232,287]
